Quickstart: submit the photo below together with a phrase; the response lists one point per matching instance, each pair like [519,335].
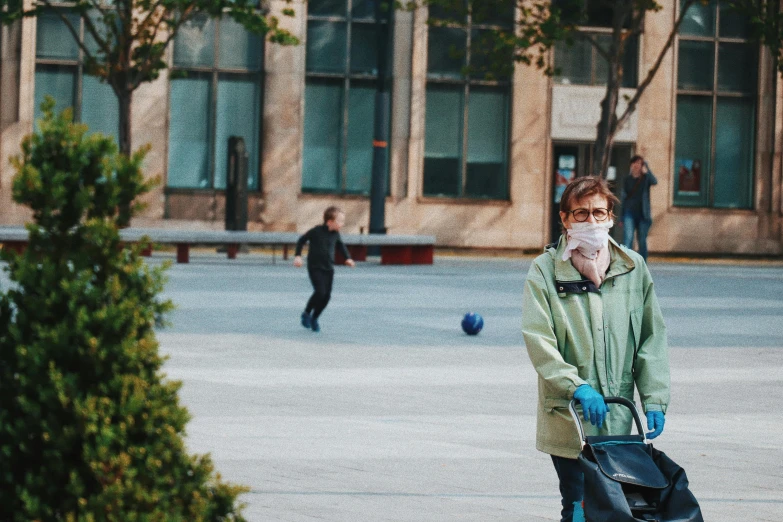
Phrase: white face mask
[588,238]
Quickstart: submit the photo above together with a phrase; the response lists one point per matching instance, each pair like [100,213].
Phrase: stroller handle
[608,400]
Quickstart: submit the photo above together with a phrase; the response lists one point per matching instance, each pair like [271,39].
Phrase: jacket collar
[620,262]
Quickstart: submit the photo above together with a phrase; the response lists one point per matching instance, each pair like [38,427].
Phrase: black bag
[627,480]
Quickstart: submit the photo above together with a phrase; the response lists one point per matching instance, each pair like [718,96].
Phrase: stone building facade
[475,163]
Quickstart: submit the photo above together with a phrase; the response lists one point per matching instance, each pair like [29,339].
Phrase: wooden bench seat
[395,249]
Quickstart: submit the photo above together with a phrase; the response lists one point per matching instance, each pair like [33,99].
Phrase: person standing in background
[637,216]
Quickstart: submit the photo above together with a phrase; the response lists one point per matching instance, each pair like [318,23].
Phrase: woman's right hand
[593,405]
[298,261]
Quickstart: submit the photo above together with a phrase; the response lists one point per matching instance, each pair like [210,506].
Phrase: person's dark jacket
[640,197]
[320,254]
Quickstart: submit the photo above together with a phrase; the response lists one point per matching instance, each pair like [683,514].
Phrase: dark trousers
[322,291]
[635,223]
[572,485]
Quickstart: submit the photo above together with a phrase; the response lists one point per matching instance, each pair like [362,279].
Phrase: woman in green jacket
[593,328]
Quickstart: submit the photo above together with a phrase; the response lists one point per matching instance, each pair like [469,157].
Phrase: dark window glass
[326,7]
[695,70]
[446,51]
[737,67]
[326,47]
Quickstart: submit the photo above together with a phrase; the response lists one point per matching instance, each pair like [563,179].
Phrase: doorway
[573,160]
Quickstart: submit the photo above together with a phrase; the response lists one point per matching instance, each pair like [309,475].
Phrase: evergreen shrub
[90,429]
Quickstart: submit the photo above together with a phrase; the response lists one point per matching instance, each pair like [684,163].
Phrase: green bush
[89,428]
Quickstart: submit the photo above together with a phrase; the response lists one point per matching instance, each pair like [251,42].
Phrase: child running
[320,263]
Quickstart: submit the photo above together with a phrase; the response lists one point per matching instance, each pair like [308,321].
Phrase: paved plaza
[391,413]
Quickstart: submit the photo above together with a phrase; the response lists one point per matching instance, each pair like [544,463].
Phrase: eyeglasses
[582,214]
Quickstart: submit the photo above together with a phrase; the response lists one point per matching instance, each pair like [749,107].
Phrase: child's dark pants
[322,291]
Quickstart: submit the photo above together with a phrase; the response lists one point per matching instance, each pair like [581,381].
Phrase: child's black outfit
[320,267]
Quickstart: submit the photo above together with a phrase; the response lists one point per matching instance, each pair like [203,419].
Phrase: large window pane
[497,12]
[574,63]
[733,24]
[194,45]
[630,63]
[361,108]
[446,52]
[692,150]
[364,57]
[699,20]
[485,58]
[737,67]
[239,48]
[487,141]
[363,9]
[734,139]
[57,81]
[53,39]
[601,64]
[326,46]
[100,108]
[102,28]
[443,141]
[238,114]
[326,7]
[696,66]
[189,132]
[322,140]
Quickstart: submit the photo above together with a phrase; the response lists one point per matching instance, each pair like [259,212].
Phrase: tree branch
[146,67]
[623,119]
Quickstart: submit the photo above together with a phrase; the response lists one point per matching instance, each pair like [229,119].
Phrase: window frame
[215,71]
[345,78]
[714,95]
[466,81]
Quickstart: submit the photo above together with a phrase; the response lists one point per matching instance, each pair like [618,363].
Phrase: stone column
[283,124]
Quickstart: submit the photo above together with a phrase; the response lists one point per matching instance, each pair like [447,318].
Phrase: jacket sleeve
[538,330]
[652,178]
[651,365]
[343,248]
[304,238]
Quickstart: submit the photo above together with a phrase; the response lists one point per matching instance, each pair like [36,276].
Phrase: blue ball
[472,323]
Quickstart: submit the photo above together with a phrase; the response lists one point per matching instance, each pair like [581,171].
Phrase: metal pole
[381,127]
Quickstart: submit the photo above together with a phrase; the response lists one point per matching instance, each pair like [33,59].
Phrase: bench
[395,249]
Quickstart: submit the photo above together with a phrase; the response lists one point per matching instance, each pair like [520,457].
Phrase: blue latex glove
[655,421]
[593,406]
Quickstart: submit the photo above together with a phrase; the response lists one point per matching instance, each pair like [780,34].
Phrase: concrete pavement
[391,413]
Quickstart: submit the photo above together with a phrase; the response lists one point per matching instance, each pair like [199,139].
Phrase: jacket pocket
[553,403]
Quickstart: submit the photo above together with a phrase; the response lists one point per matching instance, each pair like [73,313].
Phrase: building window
[581,64]
[59,73]
[716,109]
[215,94]
[340,86]
[467,114]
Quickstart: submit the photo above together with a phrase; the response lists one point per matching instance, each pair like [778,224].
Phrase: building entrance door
[572,160]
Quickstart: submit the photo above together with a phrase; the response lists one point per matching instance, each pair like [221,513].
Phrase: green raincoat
[610,337]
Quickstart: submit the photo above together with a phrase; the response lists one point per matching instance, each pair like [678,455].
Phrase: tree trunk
[606,128]
[608,125]
[125,97]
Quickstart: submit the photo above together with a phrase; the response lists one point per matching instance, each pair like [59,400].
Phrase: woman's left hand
[655,422]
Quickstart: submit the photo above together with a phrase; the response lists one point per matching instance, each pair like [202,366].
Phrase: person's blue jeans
[572,485]
[636,223]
